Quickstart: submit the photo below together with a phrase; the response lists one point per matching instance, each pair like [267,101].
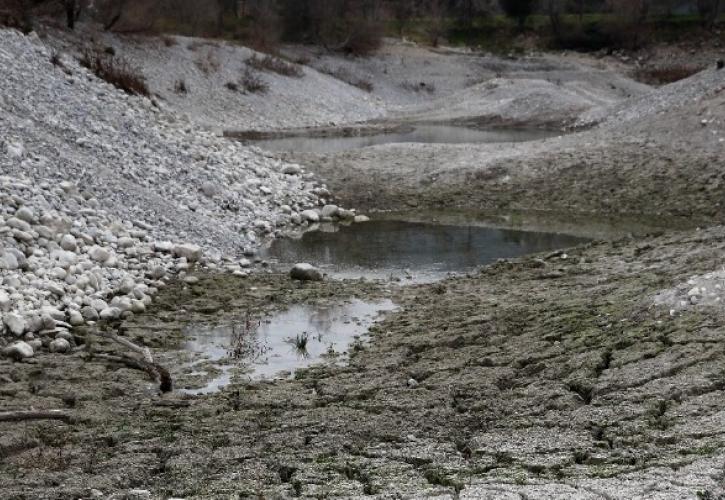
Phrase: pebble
[59,345]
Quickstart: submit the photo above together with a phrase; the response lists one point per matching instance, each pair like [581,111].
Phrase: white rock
[19,350]
[110,313]
[127,285]
[15,323]
[5,301]
[18,224]
[163,246]
[192,253]
[330,211]
[25,214]
[306,272]
[68,243]
[15,150]
[361,218]
[76,318]
[59,345]
[310,216]
[99,254]
[137,306]
[292,170]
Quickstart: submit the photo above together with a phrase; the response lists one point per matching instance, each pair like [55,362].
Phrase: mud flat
[551,374]
[594,372]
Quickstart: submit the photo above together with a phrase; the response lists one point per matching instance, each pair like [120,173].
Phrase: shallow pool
[410,250]
[254,348]
[447,134]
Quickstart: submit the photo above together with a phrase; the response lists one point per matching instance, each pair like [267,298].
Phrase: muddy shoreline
[537,373]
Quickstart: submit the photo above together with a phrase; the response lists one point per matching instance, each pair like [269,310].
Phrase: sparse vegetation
[275,65]
[55,59]
[418,87]
[180,87]
[207,63]
[299,342]
[344,75]
[169,41]
[115,70]
[252,83]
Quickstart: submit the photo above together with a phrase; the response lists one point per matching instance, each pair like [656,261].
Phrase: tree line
[354,26]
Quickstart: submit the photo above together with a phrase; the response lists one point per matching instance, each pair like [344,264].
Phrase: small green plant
[299,342]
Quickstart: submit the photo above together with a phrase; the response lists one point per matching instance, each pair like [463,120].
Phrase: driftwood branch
[143,351]
[157,372]
[18,416]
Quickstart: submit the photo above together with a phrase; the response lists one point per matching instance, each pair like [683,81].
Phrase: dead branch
[157,372]
[143,351]
[18,416]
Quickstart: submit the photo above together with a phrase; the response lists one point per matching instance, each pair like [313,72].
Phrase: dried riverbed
[536,376]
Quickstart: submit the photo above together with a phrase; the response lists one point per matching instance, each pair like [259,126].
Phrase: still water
[277,345]
[411,251]
[429,134]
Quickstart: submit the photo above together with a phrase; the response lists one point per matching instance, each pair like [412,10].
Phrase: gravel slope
[106,196]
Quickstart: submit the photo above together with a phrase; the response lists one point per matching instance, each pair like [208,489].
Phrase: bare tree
[518,9]
[436,21]
[630,18]
[708,10]
[403,11]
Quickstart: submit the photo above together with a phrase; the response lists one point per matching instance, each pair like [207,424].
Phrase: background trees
[518,9]
[356,26]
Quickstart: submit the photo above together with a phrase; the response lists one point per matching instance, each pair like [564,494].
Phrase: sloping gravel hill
[105,195]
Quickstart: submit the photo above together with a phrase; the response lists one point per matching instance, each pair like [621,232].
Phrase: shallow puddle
[429,134]
[410,251]
[278,345]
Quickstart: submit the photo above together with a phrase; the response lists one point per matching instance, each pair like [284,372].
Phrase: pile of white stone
[705,290]
[107,197]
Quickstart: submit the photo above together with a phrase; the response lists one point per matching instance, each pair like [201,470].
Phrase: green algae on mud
[539,372]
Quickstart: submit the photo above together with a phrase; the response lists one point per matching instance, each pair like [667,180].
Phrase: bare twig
[143,351]
[157,372]
[18,416]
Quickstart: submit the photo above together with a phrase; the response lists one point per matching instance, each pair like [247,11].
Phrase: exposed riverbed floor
[537,377]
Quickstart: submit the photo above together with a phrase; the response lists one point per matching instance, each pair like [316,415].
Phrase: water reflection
[299,337]
[426,251]
[427,134]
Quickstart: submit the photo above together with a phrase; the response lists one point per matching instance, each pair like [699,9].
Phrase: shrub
[663,75]
[169,41]
[364,41]
[232,86]
[180,87]
[252,83]
[207,63]
[518,9]
[345,76]
[115,70]
[55,59]
[275,65]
